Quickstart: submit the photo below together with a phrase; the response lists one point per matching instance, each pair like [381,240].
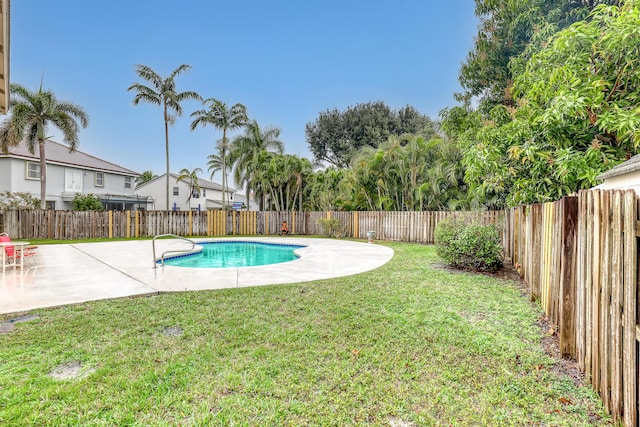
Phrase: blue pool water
[235,254]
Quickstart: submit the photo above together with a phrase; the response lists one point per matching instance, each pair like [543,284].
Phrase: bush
[18,201]
[468,245]
[86,202]
[330,226]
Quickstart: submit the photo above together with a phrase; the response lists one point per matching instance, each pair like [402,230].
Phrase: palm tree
[301,168]
[31,113]
[192,177]
[144,177]
[214,164]
[162,92]
[226,119]
[245,150]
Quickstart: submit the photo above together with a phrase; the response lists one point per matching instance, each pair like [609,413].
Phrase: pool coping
[79,272]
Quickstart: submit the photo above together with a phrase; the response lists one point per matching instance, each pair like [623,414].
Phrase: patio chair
[12,256]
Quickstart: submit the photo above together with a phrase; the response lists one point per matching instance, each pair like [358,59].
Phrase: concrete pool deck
[79,272]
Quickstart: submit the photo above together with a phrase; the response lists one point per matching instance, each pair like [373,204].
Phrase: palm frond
[144,94]
[179,70]
[147,73]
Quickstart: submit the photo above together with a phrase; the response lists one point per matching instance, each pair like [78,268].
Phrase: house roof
[203,183]
[631,165]
[60,154]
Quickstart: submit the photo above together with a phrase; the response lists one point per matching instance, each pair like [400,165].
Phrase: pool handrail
[155,260]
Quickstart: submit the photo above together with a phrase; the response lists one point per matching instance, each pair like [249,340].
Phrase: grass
[407,344]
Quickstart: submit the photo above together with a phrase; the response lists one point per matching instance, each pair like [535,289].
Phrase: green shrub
[86,202]
[18,201]
[468,245]
[330,226]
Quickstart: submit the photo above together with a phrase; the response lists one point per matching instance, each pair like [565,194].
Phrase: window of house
[99,179]
[51,205]
[204,192]
[33,170]
[195,194]
[127,182]
[73,180]
[176,191]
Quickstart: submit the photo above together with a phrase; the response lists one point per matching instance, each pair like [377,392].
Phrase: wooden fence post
[128,221]
[293,222]
[110,224]
[630,367]
[356,225]
[593,338]
[535,252]
[567,316]
[604,303]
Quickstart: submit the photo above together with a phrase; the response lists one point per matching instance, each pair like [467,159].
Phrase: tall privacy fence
[69,225]
[578,256]
[579,259]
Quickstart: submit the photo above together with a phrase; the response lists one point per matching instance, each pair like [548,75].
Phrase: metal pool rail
[155,260]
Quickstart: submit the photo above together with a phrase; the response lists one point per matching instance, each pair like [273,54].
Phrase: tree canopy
[335,136]
[31,114]
[575,114]
[509,31]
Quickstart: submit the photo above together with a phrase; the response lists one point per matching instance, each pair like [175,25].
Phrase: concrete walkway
[73,273]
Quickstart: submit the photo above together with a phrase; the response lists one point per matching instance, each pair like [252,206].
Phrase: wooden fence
[416,227]
[578,257]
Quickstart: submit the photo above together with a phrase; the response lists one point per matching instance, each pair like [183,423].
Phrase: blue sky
[286,61]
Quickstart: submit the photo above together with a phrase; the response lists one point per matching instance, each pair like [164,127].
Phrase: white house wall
[13,177]
[628,181]
[156,189]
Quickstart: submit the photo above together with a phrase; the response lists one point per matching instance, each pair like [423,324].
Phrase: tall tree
[576,114]
[420,175]
[162,91]
[246,150]
[508,32]
[285,174]
[218,115]
[335,136]
[190,177]
[332,189]
[31,113]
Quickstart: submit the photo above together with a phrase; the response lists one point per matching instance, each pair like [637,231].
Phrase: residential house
[68,173]
[240,202]
[625,176]
[184,196]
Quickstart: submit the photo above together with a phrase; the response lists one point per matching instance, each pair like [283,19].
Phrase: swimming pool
[235,254]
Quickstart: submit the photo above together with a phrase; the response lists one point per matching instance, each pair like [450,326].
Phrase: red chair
[12,256]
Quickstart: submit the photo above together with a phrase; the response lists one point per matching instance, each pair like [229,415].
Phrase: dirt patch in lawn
[551,345]
[71,370]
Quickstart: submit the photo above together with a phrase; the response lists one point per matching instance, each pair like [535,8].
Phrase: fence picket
[630,368]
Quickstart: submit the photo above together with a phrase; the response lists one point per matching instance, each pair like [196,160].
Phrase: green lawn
[407,344]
